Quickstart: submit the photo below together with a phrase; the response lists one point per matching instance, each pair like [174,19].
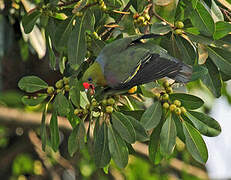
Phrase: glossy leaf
[76,139]
[187,100]
[213,79]
[61,104]
[123,126]
[43,130]
[151,117]
[179,127]
[141,134]
[221,58]
[76,47]
[62,33]
[33,101]
[101,148]
[97,46]
[222,29]
[199,71]
[29,20]
[160,28]
[32,84]
[154,145]
[216,12]
[117,147]
[186,49]
[201,18]
[195,143]
[168,136]
[205,124]
[138,5]
[54,129]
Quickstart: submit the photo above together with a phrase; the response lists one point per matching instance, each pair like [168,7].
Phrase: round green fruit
[177,103]
[172,107]
[179,24]
[50,90]
[109,109]
[178,111]
[59,84]
[111,101]
[165,105]
[165,97]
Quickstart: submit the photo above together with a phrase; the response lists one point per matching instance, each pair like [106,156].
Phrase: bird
[132,61]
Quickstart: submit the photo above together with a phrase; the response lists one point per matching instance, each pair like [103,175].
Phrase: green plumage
[127,62]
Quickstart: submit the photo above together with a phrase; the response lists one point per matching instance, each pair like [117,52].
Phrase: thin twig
[227,13]
[107,33]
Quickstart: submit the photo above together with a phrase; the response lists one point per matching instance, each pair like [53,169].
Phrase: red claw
[90,87]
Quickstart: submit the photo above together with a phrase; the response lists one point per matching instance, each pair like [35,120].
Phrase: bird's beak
[89,88]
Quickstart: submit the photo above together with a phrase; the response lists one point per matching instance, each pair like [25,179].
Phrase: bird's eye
[89,79]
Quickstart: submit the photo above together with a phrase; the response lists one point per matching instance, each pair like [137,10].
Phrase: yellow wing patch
[132,76]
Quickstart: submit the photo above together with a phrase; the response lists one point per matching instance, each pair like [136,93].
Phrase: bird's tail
[184,74]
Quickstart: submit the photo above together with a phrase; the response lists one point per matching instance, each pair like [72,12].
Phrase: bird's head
[93,76]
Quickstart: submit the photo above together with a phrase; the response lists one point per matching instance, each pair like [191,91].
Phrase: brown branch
[16,117]
[225,4]
[227,13]
[68,3]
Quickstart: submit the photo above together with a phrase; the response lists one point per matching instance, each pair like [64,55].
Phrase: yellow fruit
[177,103]
[179,31]
[146,16]
[179,24]
[50,90]
[165,105]
[67,87]
[109,109]
[79,14]
[104,102]
[135,16]
[66,80]
[178,111]
[172,107]
[111,101]
[165,97]
[132,90]
[183,110]
[157,95]
[85,111]
[77,111]
[169,90]
[141,19]
[166,84]
[59,84]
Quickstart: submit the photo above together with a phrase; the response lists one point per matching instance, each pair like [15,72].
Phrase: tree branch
[15,117]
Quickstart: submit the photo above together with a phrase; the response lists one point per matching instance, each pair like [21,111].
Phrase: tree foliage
[196,32]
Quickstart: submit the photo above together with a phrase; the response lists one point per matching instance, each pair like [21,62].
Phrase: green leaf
[61,104]
[160,28]
[187,100]
[154,145]
[62,33]
[127,25]
[186,49]
[54,129]
[195,143]
[101,148]
[202,19]
[199,71]
[166,9]
[137,114]
[33,101]
[72,118]
[32,84]
[216,12]
[138,5]
[205,124]
[146,92]
[118,148]
[151,117]
[168,136]
[221,58]
[194,3]
[76,47]
[213,79]
[141,134]
[52,57]
[29,20]
[222,29]
[83,99]
[123,126]
[179,127]
[76,139]
[43,131]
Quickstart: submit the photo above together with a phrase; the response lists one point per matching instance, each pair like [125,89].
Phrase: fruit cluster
[174,106]
[61,85]
[179,25]
[141,19]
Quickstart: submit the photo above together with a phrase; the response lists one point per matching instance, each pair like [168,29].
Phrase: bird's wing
[151,68]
